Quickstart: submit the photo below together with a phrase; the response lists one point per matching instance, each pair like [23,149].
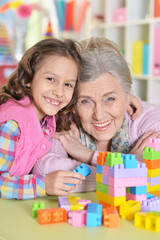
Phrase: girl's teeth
[102,124]
[56,103]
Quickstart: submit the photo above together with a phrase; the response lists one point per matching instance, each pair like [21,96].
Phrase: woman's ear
[28,85]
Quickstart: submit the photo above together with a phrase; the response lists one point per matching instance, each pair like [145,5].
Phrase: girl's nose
[58,90]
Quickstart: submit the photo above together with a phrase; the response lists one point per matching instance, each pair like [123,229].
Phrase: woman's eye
[111,99]
[84,101]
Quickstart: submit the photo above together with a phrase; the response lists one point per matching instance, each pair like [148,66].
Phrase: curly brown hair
[16,87]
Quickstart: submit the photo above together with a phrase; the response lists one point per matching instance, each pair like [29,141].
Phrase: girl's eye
[69,85]
[51,79]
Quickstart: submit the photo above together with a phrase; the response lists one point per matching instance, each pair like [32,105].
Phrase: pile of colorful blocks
[122,182]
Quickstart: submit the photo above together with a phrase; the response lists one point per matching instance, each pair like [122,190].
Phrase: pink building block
[120,15]
[127,182]
[131,196]
[84,202]
[77,218]
[117,192]
[154,143]
[105,170]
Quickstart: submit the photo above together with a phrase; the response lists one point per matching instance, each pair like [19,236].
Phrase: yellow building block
[74,205]
[153,173]
[114,201]
[129,208]
[99,177]
[137,57]
[153,188]
[147,221]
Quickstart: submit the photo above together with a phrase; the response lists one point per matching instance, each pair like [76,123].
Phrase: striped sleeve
[25,187]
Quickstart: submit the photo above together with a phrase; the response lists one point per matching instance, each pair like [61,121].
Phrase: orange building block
[152,164]
[156,193]
[101,158]
[106,205]
[110,217]
[53,215]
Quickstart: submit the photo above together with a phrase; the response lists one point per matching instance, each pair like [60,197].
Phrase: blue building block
[150,195]
[83,169]
[138,190]
[145,59]
[129,161]
[94,215]
[99,169]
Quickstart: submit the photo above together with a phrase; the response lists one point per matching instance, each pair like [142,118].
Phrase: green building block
[155,213]
[100,187]
[150,154]
[36,206]
[113,158]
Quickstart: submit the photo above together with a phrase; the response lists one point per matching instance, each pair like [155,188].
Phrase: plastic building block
[152,188]
[129,208]
[110,217]
[129,161]
[94,215]
[152,164]
[154,143]
[114,201]
[105,180]
[101,158]
[150,154]
[155,193]
[64,203]
[36,206]
[99,169]
[53,215]
[150,195]
[119,171]
[154,181]
[120,14]
[153,173]
[127,182]
[140,198]
[113,158]
[152,204]
[147,221]
[84,202]
[105,205]
[77,218]
[83,169]
[102,187]
[138,190]
[74,205]
[99,177]
[116,192]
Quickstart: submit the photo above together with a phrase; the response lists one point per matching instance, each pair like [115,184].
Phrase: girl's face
[101,106]
[53,84]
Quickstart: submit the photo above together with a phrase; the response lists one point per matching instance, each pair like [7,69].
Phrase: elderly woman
[100,113]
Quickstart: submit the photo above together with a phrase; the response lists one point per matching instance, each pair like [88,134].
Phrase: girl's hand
[55,182]
[142,142]
[135,108]
[72,145]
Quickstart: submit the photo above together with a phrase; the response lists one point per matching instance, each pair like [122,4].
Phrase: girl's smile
[53,84]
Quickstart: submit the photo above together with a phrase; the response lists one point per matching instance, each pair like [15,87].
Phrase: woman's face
[101,106]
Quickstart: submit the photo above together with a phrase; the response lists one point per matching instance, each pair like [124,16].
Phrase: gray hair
[99,56]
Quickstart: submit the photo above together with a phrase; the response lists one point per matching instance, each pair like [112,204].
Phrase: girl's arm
[28,186]
[135,108]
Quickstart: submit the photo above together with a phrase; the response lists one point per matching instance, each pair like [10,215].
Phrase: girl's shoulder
[9,127]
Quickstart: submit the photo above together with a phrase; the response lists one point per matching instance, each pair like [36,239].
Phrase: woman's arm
[135,107]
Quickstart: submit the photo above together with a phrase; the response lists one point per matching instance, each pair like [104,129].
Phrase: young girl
[42,85]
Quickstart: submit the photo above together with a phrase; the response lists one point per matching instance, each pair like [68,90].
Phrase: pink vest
[32,143]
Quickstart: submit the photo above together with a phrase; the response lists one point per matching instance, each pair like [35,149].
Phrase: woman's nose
[57,90]
[98,112]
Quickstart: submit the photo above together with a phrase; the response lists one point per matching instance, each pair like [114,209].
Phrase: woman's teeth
[102,124]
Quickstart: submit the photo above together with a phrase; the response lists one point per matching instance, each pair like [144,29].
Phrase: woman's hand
[56,182]
[142,142]
[135,108]
[72,145]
